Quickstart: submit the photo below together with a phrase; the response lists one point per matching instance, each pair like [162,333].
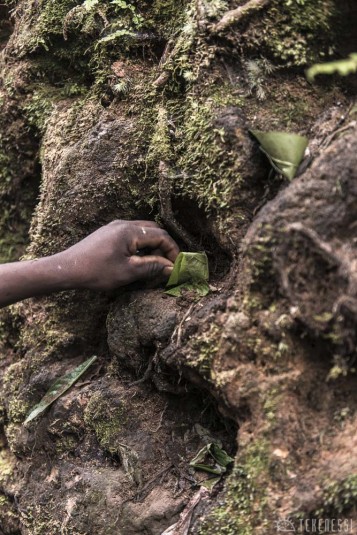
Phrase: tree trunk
[128,110]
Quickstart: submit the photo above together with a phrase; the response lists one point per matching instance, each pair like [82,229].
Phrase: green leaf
[58,388]
[342,67]
[214,453]
[220,455]
[191,273]
[210,483]
[285,151]
[216,469]
[200,456]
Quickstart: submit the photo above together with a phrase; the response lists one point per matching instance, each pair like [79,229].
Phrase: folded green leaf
[58,388]
[210,483]
[216,469]
[191,273]
[285,151]
[214,453]
[220,455]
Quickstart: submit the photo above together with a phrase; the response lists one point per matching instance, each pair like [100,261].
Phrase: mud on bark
[266,362]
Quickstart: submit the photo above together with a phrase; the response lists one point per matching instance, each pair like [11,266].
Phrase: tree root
[236,15]
[166,211]
[231,17]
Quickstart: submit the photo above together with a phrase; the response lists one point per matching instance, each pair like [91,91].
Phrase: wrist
[52,273]
[31,278]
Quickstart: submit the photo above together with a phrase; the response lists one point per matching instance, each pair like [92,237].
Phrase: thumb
[151,267]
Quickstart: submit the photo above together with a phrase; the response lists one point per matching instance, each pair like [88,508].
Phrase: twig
[162,79]
[178,329]
[167,59]
[236,15]
[151,481]
[160,422]
[182,527]
[327,141]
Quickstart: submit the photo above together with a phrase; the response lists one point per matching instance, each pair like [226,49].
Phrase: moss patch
[338,497]
[295,32]
[106,419]
[244,501]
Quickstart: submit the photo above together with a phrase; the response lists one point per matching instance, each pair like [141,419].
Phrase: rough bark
[153,122]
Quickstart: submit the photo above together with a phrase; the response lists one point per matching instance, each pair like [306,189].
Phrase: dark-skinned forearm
[20,280]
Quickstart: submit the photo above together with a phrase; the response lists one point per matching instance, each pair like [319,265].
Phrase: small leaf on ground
[211,482]
[284,151]
[220,455]
[58,388]
[212,459]
[191,273]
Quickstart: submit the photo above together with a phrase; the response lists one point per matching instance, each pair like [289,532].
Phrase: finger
[147,251]
[137,223]
[155,239]
[150,267]
[144,223]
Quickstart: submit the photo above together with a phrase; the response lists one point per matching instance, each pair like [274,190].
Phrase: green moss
[106,420]
[167,16]
[338,497]
[341,368]
[8,515]
[208,172]
[271,403]
[160,146]
[5,172]
[15,209]
[12,431]
[39,107]
[261,254]
[196,148]
[39,520]
[203,350]
[49,22]
[66,443]
[13,377]
[18,408]
[7,464]
[296,32]
[244,502]
[11,245]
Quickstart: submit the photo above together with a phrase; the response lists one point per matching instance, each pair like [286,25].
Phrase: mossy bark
[97,98]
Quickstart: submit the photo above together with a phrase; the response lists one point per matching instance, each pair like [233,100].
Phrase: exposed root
[150,484]
[166,213]
[182,527]
[178,330]
[149,370]
[236,15]
[162,79]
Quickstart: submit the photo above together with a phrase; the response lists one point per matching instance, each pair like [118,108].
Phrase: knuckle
[164,234]
[153,269]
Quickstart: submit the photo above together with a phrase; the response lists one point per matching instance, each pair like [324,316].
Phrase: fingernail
[168,270]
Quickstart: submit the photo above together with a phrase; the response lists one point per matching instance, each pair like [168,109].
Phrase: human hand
[108,257]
